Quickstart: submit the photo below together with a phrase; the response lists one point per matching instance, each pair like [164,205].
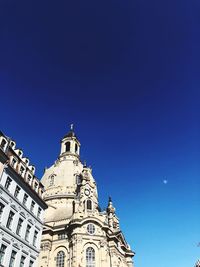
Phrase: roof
[70,134]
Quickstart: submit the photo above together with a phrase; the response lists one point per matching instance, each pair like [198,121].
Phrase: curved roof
[70,134]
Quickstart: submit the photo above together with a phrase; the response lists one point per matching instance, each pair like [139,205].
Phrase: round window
[91,229]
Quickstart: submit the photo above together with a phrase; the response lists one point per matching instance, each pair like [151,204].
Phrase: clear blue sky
[126,73]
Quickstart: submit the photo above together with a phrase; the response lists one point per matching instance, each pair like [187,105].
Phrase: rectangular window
[35,238]
[36,186]
[8,182]
[25,199]
[2,253]
[22,261]
[27,232]
[39,212]
[31,264]
[13,162]
[17,190]
[12,259]
[32,206]
[21,171]
[10,220]
[29,178]
[2,206]
[62,236]
[19,226]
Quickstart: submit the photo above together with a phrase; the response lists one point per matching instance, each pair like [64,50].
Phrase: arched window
[51,179]
[60,259]
[90,257]
[67,146]
[76,148]
[89,204]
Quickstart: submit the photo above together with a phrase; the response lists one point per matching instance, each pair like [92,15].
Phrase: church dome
[59,212]
[61,177]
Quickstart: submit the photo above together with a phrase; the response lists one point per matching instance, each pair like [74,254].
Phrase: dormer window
[29,178]
[3,144]
[12,144]
[13,162]
[67,146]
[21,171]
[36,186]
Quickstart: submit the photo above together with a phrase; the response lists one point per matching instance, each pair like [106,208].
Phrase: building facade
[76,232]
[21,207]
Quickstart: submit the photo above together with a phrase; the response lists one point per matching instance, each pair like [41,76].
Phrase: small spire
[72,127]
[110,208]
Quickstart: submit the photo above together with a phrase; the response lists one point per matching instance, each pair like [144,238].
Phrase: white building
[21,207]
[76,232]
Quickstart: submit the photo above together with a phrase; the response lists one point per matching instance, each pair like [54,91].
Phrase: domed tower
[76,232]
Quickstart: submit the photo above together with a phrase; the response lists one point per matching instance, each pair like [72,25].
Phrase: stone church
[76,232]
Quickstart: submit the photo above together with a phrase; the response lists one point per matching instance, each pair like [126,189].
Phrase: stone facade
[76,232]
[21,207]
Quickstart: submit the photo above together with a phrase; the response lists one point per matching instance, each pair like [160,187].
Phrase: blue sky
[126,73]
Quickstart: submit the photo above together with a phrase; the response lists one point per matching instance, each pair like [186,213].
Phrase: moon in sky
[165,181]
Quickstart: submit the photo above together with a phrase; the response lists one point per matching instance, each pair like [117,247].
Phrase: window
[39,212]
[10,220]
[2,206]
[36,186]
[29,178]
[12,259]
[8,182]
[12,144]
[19,226]
[25,199]
[90,228]
[17,190]
[62,236]
[2,253]
[76,148]
[27,232]
[13,162]
[3,144]
[78,179]
[89,204]
[35,238]
[51,179]
[31,264]
[67,146]
[22,261]
[21,171]
[32,206]
[60,259]
[90,257]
